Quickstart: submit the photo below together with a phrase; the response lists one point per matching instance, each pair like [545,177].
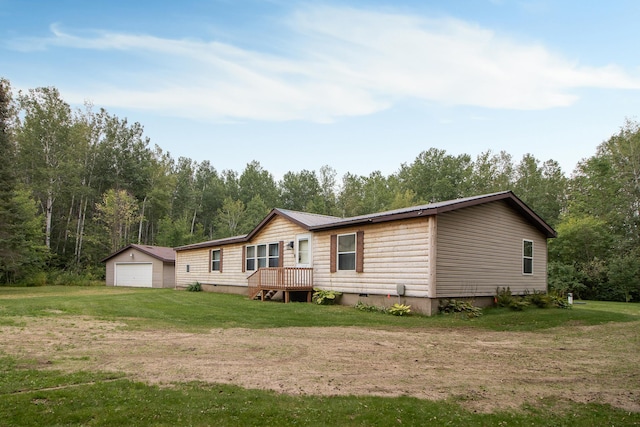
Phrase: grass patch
[532,319]
[32,394]
[201,311]
[34,398]
[27,377]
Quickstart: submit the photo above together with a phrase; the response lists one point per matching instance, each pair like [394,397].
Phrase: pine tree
[20,229]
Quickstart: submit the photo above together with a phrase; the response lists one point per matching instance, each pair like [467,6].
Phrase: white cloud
[450,61]
[342,62]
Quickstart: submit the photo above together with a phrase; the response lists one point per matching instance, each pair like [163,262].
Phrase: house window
[303,256]
[274,254]
[260,256]
[527,257]
[347,251]
[215,260]
[251,258]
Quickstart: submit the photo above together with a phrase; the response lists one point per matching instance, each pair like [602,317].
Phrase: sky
[358,85]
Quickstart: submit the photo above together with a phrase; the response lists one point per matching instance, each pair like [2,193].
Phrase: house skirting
[419,305]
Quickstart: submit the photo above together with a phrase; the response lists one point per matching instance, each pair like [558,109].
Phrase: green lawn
[30,396]
[199,311]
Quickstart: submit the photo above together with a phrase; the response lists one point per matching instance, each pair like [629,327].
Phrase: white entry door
[134,274]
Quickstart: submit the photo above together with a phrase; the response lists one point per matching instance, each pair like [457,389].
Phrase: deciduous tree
[21,244]
[118,212]
[46,154]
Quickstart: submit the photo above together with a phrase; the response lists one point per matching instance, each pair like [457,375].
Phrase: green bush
[458,306]
[325,297]
[69,278]
[396,309]
[56,277]
[559,300]
[539,299]
[36,279]
[399,309]
[368,308]
[503,298]
[194,287]
[519,304]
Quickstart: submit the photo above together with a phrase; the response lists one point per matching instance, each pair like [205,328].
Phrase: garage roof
[162,253]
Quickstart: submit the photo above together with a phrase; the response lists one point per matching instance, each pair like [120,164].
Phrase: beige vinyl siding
[169,275]
[275,231]
[480,248]
[198,261]
[394,253]
[162,275]
[280,230]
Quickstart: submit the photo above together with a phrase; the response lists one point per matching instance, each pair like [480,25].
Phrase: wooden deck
[285,279]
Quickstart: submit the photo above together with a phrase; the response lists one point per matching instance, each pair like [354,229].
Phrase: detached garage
[141,266]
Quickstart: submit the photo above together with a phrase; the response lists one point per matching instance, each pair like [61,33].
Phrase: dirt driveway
[484,370]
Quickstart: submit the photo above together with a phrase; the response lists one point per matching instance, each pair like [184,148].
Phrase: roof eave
[212,243]
[508,196]
[420,213]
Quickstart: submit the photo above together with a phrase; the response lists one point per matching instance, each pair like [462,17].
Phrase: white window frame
[262,259]
[526,257]
[250,258]
[271,258]
[213,260]
[299,238]
[354,252]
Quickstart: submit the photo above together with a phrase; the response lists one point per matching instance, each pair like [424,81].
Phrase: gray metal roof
[217,242]
[445,206]
[309,219]
[316,222]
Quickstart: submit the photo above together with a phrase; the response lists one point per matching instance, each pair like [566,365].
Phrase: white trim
[306,237]
[354,252]
[524,257]
[219,250]
[267,256]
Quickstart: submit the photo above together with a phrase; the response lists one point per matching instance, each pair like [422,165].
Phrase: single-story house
[141,266]
[462,248]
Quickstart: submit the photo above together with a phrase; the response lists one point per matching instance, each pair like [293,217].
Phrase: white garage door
[134,274]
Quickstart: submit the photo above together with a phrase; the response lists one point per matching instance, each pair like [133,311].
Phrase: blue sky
[357,85]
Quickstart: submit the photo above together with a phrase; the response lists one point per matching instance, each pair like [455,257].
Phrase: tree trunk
[67,230]
[82,214]
[48,219]
[144,203]
[193,221]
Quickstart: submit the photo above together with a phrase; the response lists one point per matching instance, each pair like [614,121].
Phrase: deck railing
[280,279]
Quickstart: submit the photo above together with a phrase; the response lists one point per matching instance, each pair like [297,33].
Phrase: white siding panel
[394,253]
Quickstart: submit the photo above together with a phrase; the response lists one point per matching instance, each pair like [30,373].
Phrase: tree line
[76,185]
